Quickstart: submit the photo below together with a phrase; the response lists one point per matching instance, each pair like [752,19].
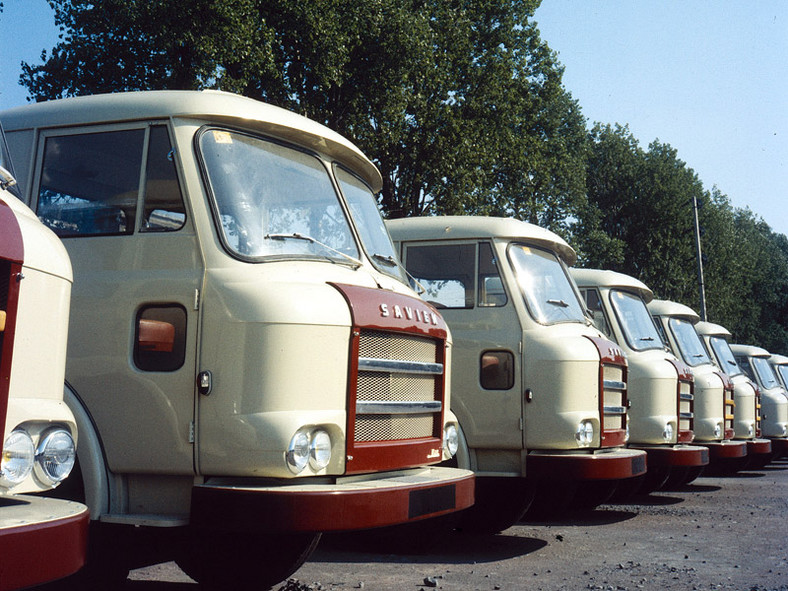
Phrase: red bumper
[759,447]
[726,450]
[674,456]
[41,540]
[348,504]
[602,465]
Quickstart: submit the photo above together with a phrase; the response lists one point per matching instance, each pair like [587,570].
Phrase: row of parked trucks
[247,364]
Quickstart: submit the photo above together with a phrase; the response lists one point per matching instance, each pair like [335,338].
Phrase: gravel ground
[727,533]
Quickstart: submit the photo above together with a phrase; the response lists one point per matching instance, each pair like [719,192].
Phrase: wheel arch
[90,456]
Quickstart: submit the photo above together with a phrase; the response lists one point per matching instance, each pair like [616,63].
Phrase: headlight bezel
[451,439]
[20,443]
[585,433]
[64,466]
[668,432]
[310,447]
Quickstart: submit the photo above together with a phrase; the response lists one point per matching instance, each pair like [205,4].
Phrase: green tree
[640,203]
[460,103]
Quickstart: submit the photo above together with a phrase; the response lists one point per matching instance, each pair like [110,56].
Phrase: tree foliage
[459,102]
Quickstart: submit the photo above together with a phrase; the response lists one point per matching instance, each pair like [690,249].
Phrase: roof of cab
[712,330]
[670,308]
[218,106]
[749,351]
[778,360]
[611,279]
[474,227]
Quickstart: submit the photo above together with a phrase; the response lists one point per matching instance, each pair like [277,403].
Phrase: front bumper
[615,464]
[41,540]
[345,504]
[725,450]
[674,456]
[759,447]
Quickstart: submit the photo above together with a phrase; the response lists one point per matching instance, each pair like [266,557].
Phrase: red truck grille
[396,381]
[728,406]
[685,402]
[613,402]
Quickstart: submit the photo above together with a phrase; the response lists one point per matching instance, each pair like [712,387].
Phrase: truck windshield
[366,215]
[272,200]
[545,284]
[690,346]
[636,323]
[783,371]
[722,351]
[765,374]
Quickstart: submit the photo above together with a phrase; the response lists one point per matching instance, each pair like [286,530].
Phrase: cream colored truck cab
[659,386]
[713,424]
[774,398]
[41,539]
[746,396]
[541,395]
[246,362]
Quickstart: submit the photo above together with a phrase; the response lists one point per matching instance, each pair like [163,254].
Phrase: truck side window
[496,371]
[594,303]
[90,182]
[163,209]
[491,291]
[160,339]
[446,272]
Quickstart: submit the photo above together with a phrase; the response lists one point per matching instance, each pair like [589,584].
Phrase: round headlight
[585,433]
[667,432]
[718,431]
[297,455]
[55,457]
[319,450]
[451,440]
[17,462]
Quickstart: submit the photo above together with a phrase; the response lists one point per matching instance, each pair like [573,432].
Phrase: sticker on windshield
[222,137]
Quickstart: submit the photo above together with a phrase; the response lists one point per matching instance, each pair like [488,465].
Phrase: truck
[714,403]
[746,395]
[660,387]
[540,394]
[41,538]
[774,399]
[247,364]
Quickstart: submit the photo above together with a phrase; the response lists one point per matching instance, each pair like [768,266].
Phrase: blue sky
[708,78]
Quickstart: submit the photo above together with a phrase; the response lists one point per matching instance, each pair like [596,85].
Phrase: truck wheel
[589,495]
[499,504]
[240,560]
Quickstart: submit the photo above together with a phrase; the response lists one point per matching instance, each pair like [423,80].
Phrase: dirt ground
[726,533]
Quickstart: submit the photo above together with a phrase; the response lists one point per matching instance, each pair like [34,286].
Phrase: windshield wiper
[560,303]
[646,338]
[386,260]
[297,236]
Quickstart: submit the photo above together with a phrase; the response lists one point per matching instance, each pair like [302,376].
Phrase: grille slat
[398,373]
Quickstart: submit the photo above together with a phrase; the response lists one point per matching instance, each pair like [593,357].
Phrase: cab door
[113,194]
[463,280]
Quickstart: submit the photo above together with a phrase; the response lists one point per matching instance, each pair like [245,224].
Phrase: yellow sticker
[222,137]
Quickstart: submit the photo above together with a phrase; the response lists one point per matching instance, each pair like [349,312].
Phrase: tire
[589,495]
[500,503]
[240,560]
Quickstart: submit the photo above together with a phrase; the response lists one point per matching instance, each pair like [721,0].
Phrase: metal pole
[700,260]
